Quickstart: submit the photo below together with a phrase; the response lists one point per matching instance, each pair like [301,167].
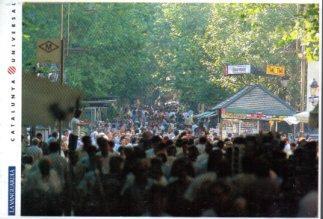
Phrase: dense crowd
[158,118]
[124,171]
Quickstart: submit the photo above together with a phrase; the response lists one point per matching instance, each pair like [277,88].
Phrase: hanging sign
[49,51]
[237,69]
[275,70]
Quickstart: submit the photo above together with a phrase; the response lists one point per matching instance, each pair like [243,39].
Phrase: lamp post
[61,68]
[314,88]
[284,81]
[300,48]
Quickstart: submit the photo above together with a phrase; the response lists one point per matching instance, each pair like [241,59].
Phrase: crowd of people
[157,118]
[126,170]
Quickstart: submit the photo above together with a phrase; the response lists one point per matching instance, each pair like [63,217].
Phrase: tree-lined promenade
[158,65]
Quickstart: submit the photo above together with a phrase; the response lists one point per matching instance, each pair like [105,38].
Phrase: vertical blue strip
[11,190]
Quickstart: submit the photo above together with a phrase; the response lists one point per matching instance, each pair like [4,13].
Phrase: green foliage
[150,51]
[306,29]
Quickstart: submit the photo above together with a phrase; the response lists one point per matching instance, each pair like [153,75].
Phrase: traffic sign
[237,69]
[275,70]
[49,51]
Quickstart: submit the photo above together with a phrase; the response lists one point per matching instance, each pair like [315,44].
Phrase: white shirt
[93,138]
[75,127]
[288,150]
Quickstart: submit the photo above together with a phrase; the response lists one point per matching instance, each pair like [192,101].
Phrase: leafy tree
[306,30]
[152,51]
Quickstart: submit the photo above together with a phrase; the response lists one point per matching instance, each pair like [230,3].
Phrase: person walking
[75,125]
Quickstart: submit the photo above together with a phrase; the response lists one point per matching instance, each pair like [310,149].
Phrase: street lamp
[314,88]
[284,81]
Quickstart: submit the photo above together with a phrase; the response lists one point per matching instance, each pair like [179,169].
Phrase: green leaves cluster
[306,30]
[147,51]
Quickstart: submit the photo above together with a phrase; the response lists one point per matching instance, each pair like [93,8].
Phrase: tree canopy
[147,51]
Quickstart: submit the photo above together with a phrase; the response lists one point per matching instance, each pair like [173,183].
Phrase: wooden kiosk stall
[252,109]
